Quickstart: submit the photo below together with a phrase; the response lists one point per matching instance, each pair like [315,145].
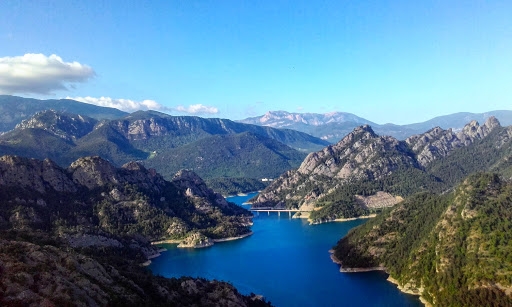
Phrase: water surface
[287,261]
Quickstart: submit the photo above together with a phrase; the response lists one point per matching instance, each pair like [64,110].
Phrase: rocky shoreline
[404,289]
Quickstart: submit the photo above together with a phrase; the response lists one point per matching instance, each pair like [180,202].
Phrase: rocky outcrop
[361,155]
[197,189]
[438,143]
[34,174]
[64,125]
[34,275]
[196,240]
[78,235]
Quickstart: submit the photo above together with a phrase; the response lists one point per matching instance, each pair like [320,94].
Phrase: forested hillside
[453,249]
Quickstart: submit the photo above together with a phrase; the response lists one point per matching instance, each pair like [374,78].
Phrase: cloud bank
[129,105]
[40,74]
[197,109]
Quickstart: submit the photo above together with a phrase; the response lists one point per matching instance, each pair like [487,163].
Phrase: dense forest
[455,249]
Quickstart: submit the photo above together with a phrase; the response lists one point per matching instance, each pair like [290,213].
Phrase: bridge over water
[271,209]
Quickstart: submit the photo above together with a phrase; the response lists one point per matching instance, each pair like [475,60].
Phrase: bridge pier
[289,214]
[278,213]
[268,212]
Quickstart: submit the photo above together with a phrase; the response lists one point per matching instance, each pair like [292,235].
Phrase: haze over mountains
[335,125]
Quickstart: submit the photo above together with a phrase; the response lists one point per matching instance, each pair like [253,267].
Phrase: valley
[89,188]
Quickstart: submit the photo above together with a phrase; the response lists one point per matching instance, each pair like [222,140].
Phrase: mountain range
[215,148]
[77,229]
[335,125]
[333,183]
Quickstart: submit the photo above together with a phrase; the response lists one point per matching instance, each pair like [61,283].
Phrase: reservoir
[287,261]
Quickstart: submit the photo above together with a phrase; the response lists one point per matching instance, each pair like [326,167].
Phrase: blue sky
[386,61]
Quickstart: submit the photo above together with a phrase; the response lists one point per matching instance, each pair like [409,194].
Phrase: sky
[386,61]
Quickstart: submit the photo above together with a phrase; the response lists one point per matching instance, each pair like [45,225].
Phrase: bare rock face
[196,240]
[362,154]
[67,126]
[34,174]
[145,128]
[93,172]
[437,143]
[197,189]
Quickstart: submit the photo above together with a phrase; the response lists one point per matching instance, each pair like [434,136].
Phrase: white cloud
[197,109]
[40,74]
[127,105]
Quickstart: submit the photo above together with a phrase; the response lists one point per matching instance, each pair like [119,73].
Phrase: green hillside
[235,155]
[454,249]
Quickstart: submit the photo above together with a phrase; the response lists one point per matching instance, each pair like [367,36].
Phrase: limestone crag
[437,143]
[67,126]
[35,275]
[197,189]
[94,172]
[360,155]
[34,174]
[363,156]
[196,240]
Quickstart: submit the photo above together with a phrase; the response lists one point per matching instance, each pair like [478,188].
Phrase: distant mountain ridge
[216,148]
[14,109]
[280,119]
[334,126]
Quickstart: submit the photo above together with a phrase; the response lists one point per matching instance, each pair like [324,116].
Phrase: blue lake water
[287,261]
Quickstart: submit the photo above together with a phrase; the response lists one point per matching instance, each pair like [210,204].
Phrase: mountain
[14,109]
[78,235]
[233,155]
[334,126]
[152,130]
[223,148]
[338,181]
[281,119]
[452,249]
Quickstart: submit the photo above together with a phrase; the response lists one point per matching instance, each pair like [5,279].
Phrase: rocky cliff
[438,143]
[330,182]
[360,156]
[77,236]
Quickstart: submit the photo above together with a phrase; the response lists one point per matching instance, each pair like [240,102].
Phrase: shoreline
[383,269]
[344,219]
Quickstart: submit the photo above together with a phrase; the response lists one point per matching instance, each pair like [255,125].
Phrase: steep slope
[118,201]
[35,143]
[438,143]
[14,109]
[454,249]
[235,155]
[331,182]
[77,236]
[328,181]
